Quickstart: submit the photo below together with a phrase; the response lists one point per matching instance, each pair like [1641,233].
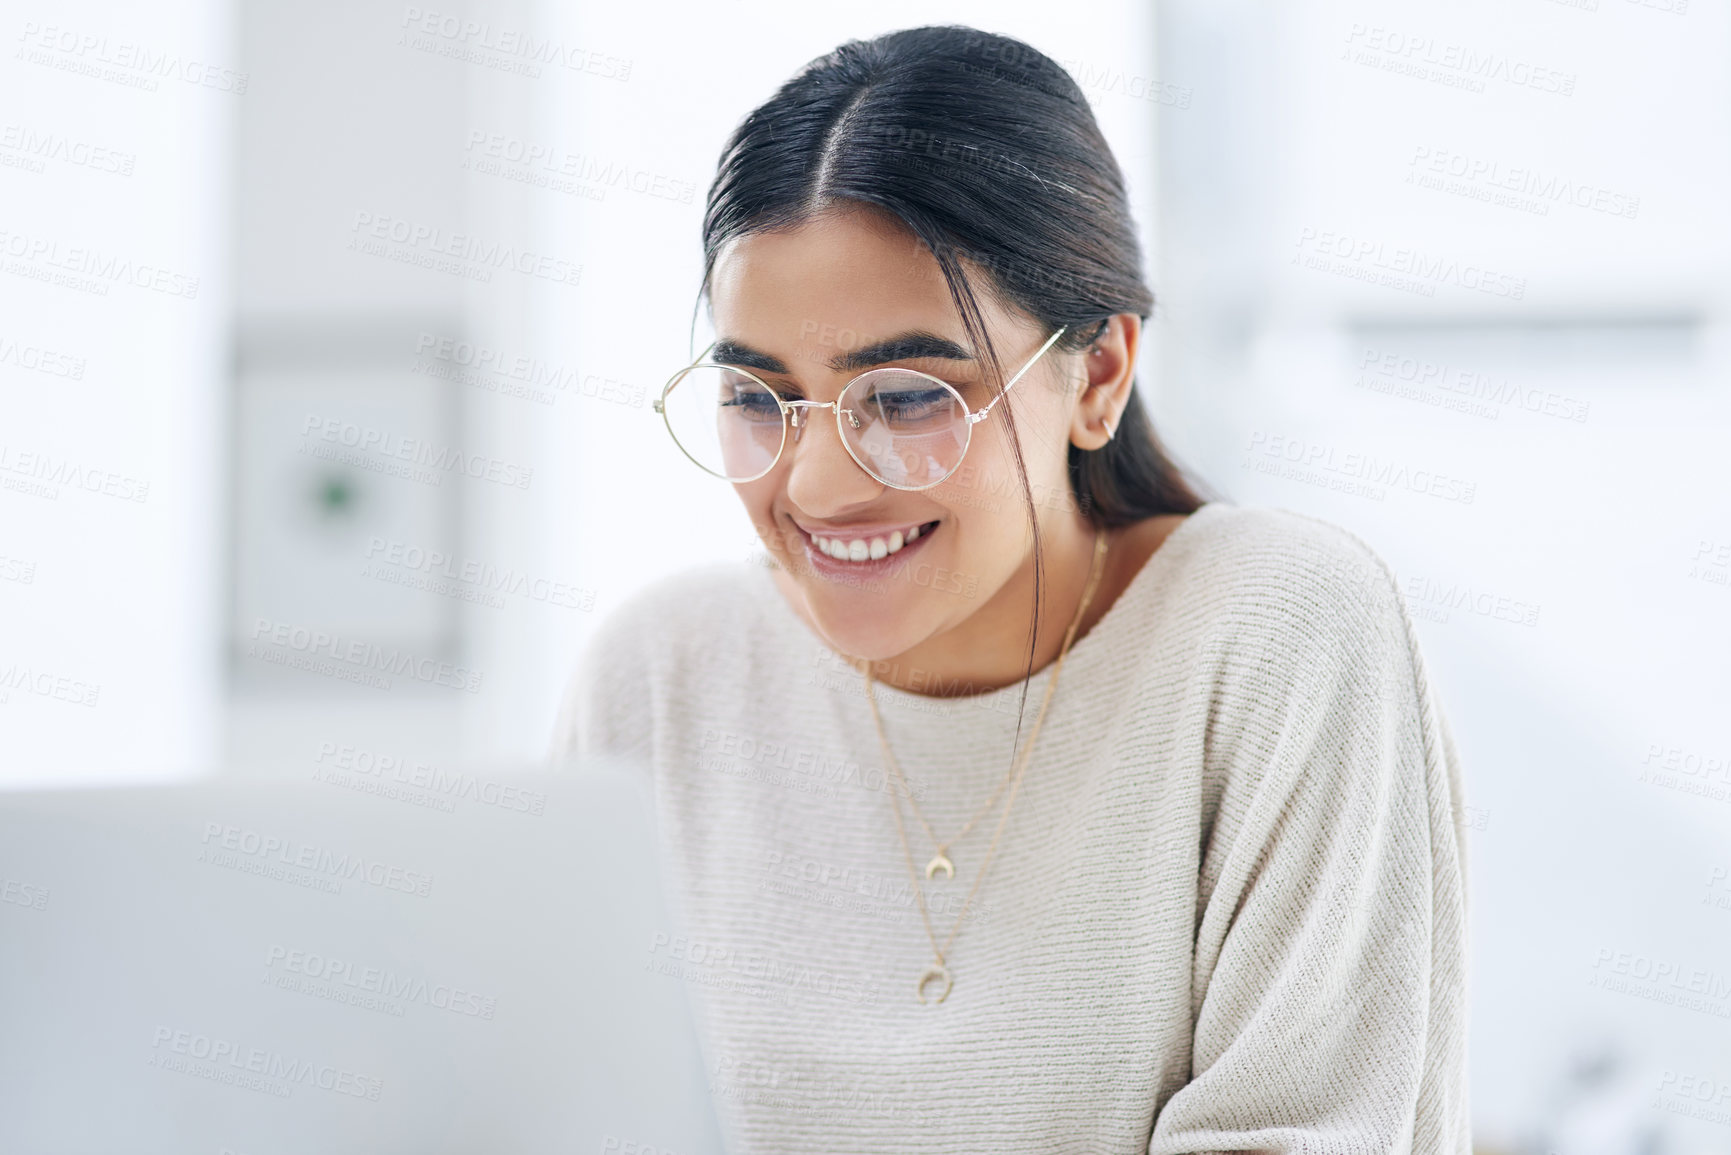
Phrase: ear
[1109,367]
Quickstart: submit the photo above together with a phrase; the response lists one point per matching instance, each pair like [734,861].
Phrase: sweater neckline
[1085,652]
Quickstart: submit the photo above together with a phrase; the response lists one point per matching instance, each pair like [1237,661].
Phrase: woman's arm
[1330,966]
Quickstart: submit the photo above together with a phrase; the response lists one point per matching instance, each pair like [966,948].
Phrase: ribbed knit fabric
[1227,912]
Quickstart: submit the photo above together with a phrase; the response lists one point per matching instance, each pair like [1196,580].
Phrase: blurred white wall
[116,179]
[400,486]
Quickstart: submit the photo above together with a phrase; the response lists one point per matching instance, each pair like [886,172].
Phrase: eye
[751,399]
[972,391]
[913,404]
[745,398]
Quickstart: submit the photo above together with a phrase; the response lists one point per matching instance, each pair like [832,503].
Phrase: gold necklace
[939,970]
[941,859]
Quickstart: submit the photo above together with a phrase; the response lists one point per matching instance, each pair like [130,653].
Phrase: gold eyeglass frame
[791,412]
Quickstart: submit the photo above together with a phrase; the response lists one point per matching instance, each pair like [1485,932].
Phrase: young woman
[1025,801]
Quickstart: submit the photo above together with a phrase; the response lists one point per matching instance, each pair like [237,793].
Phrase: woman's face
[846,283]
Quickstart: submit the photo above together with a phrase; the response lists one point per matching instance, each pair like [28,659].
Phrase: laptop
[354,962]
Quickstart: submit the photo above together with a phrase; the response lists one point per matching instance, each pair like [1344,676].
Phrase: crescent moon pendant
[940,973]
[940,862]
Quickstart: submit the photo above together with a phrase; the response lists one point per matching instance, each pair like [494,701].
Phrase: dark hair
[986,150]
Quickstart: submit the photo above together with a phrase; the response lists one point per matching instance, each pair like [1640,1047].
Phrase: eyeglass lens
[905,429]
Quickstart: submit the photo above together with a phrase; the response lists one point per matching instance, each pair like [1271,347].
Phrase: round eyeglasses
[907,429]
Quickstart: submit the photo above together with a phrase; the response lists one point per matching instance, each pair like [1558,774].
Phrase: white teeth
[863,549]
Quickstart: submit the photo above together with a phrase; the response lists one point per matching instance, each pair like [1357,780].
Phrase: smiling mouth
[858,550]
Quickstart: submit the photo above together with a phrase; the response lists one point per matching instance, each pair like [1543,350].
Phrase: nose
[822,477]
[799,412]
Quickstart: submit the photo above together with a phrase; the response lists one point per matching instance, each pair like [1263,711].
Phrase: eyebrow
[907,346]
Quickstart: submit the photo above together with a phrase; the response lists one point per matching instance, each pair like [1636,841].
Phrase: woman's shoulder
[671,632]
[1300,627]
[696,605]
[1270,539]
[1287,571]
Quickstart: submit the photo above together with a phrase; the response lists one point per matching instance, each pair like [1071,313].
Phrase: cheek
[989,472]
[987,488]
[983,490]
[758,500]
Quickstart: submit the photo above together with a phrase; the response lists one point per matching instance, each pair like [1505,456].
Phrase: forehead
[842,277]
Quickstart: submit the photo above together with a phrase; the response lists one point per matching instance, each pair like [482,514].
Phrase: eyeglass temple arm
[655,405]
[981,415]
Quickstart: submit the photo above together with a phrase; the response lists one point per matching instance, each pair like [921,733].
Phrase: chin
[868,626]
[869,645]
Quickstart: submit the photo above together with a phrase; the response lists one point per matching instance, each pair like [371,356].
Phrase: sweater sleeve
[607,707]
[1329,975]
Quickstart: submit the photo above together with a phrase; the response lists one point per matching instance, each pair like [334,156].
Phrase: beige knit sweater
[1227,912]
